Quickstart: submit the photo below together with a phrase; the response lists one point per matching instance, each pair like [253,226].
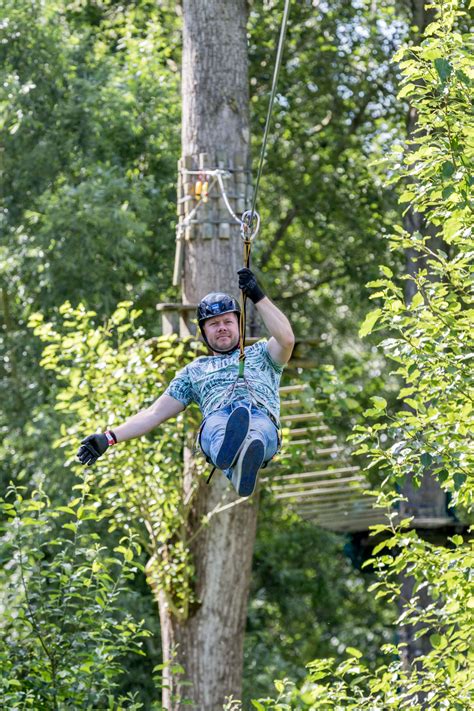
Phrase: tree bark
[215,121]
[209,643]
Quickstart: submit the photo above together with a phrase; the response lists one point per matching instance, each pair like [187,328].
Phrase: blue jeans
[261,427]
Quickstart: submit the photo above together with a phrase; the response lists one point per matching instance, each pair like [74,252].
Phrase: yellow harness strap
[243,309]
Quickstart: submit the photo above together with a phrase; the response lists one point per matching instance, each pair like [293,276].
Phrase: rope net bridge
[315,476]
[319,480]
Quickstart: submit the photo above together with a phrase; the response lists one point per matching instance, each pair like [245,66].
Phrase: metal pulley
[249,225]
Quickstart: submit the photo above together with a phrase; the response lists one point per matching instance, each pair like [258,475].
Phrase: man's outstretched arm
[282,341]
[93,446]
[146,420]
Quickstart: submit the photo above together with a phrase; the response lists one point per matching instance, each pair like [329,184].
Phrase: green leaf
[462,76]
[120,315]
[379,547]
[459,480]
[71,526]
[369,322]
[426,459]
[444,69]
[447,169]
[353,652]
[407,196]
[407,90]
[28,521]
[417,300]
[438,641]
[386,270]
[379,402]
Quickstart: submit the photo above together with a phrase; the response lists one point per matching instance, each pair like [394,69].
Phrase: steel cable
[276,73]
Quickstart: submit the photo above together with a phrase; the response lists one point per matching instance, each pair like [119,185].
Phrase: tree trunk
[215,125]
[215,133]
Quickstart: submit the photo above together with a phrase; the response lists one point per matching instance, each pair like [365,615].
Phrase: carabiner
[249,225]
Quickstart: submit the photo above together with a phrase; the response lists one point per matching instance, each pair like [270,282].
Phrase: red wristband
[111,438]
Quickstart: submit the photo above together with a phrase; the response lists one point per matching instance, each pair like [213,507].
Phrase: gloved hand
[93,446]
[249,285]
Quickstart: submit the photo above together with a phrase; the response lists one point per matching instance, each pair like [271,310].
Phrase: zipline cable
[248,231]
[276,73]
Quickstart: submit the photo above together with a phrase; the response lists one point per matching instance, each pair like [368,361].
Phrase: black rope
[210,475]
[276,72]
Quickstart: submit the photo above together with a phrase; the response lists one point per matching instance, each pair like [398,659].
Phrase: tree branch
[332,275]
[278,236]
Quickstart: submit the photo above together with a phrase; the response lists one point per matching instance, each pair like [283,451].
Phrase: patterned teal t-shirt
[209,381]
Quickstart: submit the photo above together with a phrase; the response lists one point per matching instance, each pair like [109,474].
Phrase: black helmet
[216,304]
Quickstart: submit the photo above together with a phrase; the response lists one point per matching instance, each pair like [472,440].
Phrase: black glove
[92,448]
[249,285]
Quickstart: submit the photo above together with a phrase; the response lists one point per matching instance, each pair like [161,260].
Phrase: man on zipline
[239,432]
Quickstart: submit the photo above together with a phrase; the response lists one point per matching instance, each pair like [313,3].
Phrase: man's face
[222,332]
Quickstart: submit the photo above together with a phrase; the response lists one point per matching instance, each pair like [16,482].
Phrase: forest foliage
[90,117]
[429,430]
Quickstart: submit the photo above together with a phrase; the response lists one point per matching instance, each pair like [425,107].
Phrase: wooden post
[178,318]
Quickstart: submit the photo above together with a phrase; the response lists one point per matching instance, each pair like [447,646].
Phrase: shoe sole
[235,433]
[252,461]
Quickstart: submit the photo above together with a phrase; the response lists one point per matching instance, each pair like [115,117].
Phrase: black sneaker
[235,433]
[244,476]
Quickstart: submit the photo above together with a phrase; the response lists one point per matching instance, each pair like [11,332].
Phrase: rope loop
[249,225]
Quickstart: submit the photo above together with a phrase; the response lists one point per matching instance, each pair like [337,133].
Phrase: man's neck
[215,353]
